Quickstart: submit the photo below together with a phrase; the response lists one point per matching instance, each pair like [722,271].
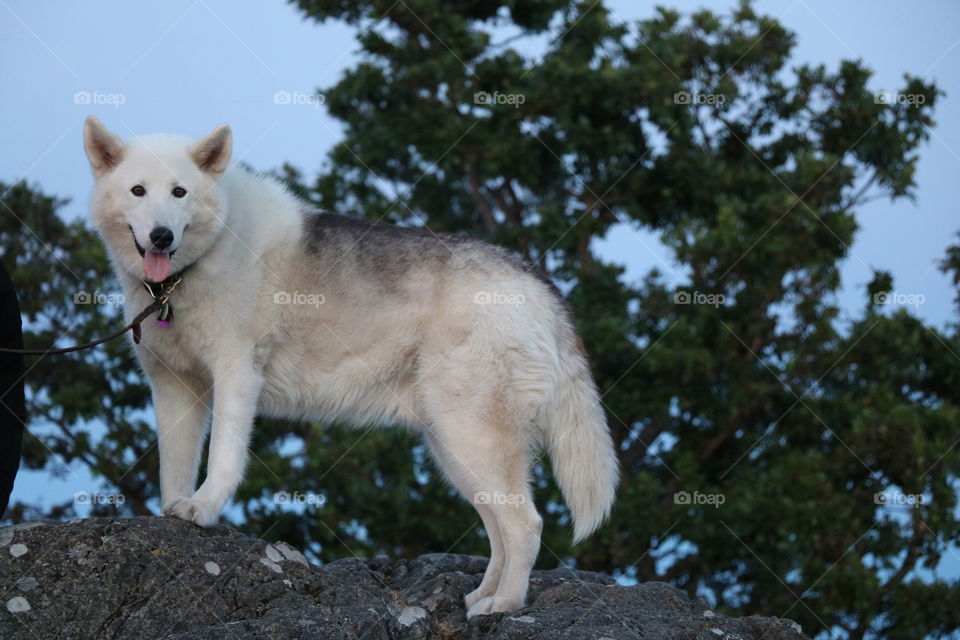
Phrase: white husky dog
[285,311]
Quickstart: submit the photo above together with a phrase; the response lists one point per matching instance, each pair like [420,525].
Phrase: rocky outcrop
[146,578]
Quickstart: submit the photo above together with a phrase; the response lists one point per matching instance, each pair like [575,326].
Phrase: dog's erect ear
[213,152]
[104,150]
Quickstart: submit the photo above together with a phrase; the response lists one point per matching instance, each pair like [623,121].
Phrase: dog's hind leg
[462,479]
[490,464]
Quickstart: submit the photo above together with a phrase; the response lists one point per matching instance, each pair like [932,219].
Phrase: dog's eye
[138,191]
[179,192]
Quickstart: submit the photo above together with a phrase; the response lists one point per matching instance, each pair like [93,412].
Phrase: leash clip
[160,292]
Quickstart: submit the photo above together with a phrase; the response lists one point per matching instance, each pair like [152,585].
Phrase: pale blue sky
[185,66]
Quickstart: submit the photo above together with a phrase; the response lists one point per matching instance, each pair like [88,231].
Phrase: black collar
[163,289]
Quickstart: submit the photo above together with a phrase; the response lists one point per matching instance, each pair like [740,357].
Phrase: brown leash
[160,291]
[134,326]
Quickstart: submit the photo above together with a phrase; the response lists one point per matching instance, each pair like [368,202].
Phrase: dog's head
[157,200]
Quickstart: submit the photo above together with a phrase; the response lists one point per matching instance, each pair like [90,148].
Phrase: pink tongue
[156,265]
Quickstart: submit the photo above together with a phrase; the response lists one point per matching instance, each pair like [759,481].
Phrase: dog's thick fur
[285,311]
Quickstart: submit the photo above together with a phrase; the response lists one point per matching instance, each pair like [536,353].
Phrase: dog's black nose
[161,237]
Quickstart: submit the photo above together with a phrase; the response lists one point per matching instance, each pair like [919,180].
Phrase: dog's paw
[493,604]
[476,596]
[205,513]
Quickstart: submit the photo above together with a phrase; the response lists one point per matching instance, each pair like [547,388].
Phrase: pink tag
[163,323]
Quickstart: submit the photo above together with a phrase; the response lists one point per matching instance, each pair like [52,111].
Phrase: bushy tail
[576,435]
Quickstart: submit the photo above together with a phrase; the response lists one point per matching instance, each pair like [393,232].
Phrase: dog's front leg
[235,393]
[183,413]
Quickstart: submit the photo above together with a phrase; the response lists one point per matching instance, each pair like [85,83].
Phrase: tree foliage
[86,408]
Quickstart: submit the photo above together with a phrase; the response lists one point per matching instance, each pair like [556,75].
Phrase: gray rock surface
[146,578]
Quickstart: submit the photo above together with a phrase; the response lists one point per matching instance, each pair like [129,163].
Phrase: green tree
[85,408]
[752,174]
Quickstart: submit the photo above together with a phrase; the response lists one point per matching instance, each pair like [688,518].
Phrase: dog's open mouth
[156,264]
